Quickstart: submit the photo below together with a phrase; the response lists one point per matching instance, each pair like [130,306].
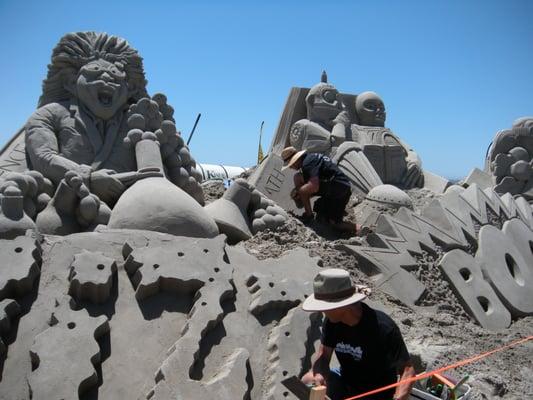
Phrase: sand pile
[437,333]
[171,313]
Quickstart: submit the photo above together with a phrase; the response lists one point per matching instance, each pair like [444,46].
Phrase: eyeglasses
[95,69]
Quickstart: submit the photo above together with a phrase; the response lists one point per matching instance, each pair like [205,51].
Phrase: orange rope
[439,370]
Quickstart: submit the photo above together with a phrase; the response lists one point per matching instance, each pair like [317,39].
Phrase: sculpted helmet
[323,102]
[370,109]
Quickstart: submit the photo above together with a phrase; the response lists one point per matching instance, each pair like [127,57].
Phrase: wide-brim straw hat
[290,155]
[333,289]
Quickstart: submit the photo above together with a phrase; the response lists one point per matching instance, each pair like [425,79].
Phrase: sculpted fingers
[116,186]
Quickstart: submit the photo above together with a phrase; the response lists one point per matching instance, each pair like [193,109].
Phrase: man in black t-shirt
[319,176]
[367,342]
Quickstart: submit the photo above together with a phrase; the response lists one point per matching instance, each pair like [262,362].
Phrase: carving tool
[304,392]
[194,128]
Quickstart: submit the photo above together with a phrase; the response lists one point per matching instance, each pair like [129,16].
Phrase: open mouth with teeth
[105,97]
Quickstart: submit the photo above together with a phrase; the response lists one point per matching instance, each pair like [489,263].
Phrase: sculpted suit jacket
[63,137]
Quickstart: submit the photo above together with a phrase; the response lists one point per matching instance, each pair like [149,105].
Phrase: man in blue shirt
[319,176]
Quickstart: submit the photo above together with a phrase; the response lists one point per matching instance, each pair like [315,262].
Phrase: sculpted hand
[105,186]
[340,124]
[342,118]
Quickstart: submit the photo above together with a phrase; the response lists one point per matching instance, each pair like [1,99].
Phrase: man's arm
[319,371]
[306,191]
[402,391]
[400,360]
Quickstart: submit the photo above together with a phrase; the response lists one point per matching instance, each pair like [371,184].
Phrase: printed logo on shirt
[356,353]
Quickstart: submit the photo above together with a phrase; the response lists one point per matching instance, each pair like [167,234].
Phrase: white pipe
[212,172]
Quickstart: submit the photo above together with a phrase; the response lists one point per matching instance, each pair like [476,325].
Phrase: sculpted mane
[74,50]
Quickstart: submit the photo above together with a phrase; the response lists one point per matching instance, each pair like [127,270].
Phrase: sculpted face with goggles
[102,87]
[323,104]
[326,123]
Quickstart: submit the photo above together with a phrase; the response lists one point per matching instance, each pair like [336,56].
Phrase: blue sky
[451,73]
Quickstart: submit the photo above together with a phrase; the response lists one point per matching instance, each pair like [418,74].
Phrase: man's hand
[313,379]
[320,367]
[295,196]
[403,391]
[105,186]
[307,217]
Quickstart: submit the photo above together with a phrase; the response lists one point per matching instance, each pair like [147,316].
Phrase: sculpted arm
[310,136]
[412,157]
[43,149]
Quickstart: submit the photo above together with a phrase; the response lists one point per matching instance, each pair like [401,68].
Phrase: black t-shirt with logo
[328,173]
[370,354]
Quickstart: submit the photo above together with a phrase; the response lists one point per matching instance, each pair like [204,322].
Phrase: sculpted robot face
[370,109]
[101,86]
[324,103]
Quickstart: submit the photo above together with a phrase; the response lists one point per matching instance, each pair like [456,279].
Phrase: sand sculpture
[489,273]
[87,106]
[85,274]
[510,159]
[351,130]
[95,135]
[106,292]
[243,211]
[98,145]
[329,124]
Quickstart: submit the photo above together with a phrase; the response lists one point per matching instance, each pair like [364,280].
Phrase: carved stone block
[435,183]
[91,277]
[181,269]
[20,266]
[274,183]
[287,346]
[228,383]
[270,292]
[480,178]
[64,356]
[507,270]
[522,237]
[9,309]
[473,292]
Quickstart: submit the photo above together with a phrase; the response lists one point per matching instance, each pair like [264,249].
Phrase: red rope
[439,370]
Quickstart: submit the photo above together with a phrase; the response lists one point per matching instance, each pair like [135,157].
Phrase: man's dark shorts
[332,204]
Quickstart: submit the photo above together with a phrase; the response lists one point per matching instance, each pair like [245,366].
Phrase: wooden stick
[444,380]
[318,393]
